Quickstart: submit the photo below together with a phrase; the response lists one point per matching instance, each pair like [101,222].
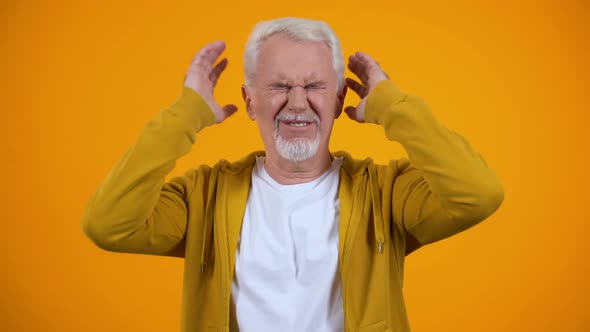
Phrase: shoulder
[354,166]
[240,166]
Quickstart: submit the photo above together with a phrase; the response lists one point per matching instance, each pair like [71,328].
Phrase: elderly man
[293,238]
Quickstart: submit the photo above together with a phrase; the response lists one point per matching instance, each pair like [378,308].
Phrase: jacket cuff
[383,95]
[192,106]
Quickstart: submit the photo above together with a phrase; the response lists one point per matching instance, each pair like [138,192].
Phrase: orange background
[79,81]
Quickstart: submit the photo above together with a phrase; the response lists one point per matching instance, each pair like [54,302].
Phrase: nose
[298,99]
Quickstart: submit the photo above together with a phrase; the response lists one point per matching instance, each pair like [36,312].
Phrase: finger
[360,89]
[351,112]
[214,51]
[209,54]
[368,69]
[229,110]
[372,64]
[353,64]
[364,57]
[217,70]
[366,63]
[358,67]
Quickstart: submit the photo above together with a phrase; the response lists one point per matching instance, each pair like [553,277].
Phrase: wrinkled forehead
[283,58]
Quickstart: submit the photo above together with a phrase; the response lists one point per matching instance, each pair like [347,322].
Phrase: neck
[288,172]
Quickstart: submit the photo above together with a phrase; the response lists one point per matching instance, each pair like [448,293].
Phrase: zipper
[350,239]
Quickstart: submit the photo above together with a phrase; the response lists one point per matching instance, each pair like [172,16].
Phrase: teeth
[297,124]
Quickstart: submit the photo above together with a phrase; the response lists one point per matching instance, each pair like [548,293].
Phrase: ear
[246,94]
[341,97]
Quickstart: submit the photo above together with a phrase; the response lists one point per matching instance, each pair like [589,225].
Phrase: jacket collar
[240,184]
[353,167]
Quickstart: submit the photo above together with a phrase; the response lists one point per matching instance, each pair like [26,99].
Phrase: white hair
[299,29]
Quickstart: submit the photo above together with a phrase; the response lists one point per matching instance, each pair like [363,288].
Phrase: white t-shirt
[286,273]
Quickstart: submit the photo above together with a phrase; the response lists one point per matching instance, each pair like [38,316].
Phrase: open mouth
[297,123]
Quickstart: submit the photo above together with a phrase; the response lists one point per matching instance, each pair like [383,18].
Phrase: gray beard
[297,149]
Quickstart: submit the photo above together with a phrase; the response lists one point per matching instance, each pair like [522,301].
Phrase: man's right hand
[202,77]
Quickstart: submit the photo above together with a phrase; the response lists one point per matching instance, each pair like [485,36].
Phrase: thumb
[228,110]
[351,111]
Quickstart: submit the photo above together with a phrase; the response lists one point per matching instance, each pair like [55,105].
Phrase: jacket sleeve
[134,210]
[446,186]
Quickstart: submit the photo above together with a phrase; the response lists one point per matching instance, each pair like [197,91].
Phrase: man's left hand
[370,74]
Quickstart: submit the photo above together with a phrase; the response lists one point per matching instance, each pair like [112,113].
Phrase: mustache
[296,116]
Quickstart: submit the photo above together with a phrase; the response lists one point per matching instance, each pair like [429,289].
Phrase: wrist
[192,105]
[381,97]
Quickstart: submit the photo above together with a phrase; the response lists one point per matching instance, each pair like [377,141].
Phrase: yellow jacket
[386,211]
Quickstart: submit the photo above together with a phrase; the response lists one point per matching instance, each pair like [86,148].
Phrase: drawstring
[378,223]
[209,217]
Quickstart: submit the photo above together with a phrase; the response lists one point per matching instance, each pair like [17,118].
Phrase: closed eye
[315,86]
[279,86]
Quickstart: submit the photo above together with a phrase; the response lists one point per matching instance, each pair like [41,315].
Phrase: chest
[290,232]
